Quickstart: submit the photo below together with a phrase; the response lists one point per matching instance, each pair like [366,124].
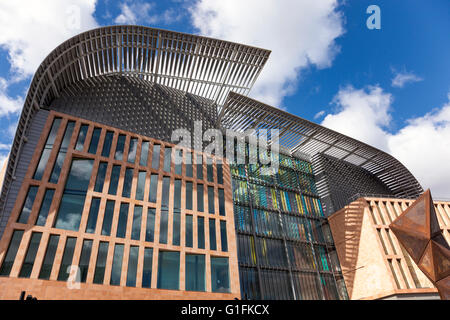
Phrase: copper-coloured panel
[443,287]
[441,260]
[413,242]
[426,264]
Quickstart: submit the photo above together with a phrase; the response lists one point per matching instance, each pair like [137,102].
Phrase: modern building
[374,264]
[94,207]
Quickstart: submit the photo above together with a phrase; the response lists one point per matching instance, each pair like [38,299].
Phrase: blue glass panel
[107,144]
[62,153]
[132,266]
[100,266]
[116,270]
[115,174]
[168,270]
[147,272]
[201,232]
[94,140]
[141,185]
[81,137]
[84,259]
[45,207]
[93,215]
[101,174]
[189,231]
[11,253]
[118,155]
[212,234]
[127,181]
[27,205]
[30,256]
[66,262]
[107,218]
[223,235]
[155,156]
[150,228]
[195,272]
[132,150]
[144,153]
[47,264]
[220,280]
[153,188]
[123,218]
[136,227]
[47,149]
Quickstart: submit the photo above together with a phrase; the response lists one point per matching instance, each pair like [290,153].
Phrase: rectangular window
[84,259]
[178,162]
[116,270]
[100,265]
[188,165]
[220,280]
[94,140]
[221,202]
[11,253]
[118,155]
[167,159]
[200,167]
[107,144]
[223,235]
[81,137]
[200,201]
[123,218]
[212,234]
[93,215]
[140,186]
[211,208]
[136,227]
[114,181]
[201,232]
[144,153]
[101,174]
[177,194]
[219,169]
[168,270]
[27,205]
[165,193]
[107,218]
[72,202]
[195,272]
[153,188]
[189,233]
[163,226]
[209,171]
[176,228]
[47,149]
[127,182]
[132,150]
[47,264]
[30,256]
[67,258]
[150,227]
[132,266]
[62,153]
[188,195]
[147,272]
[155,156]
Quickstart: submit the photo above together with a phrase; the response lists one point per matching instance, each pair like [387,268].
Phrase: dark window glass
[221,202]
[47,264]
[155,156]
[189,195]
[177,194]
[223,235]
[165,192]
[140,186]
[107,144]
[209,172]
[188,165]
[136,227]
[72,202]
[118,155]
[93,215]
[45,207]
[47,149]
[84,259]
[123,218]
[115,174]
[147,272]
[211,200]
[195,272]
[201,232]
[168,270]
[11,253]
[94,140]
[107,218]
[150,228]
[127,181]
[62,153]
[199,167]
[178,161]
[189,233]
[132,150]
[27,205]
[200,201]
[144,153]
[132,266]
[81,137]
[176,228]
[101,174]
[219,169]
[66,261]
[153,188]
[212,234]
[163,226]
[116,270]
[167,159]
[28,263]
[220,280]
[100,265]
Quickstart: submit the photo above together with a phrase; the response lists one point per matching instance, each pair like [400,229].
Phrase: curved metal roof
[298,135]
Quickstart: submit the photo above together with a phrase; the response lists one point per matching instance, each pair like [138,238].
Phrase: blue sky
[388,87]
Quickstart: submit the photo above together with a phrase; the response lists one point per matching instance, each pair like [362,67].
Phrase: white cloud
[300,33]
[319,114]
[422,145]
[32,29]
[139,12]
[8,105]
[402,78]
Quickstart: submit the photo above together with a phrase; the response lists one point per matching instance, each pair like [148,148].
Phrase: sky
[388,87]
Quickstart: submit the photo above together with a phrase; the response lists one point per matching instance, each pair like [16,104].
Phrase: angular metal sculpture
[417,229]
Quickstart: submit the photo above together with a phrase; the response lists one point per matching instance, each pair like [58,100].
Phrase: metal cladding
[417,229]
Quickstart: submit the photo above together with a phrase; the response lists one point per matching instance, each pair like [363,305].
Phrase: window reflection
[155,156]
[30,256]
[132,266]
[136,227]
[168,270]
[66,262]
[150,228]
[220,280]
[84,259]
[127,181]
[93,215]
[81,137]
[11,253]
[132,150]
[45,207]
[116,270]
[114,181]
[101,174]
[189,233]
[107,218]
[144,153]
[94,140]
[47,264]
[195,272]
[107,144]
[47,149]
[123,218]
[100,265]
[147,272]
[27,205]
[167,159]
[153,188]
[201,232]
[118,155]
